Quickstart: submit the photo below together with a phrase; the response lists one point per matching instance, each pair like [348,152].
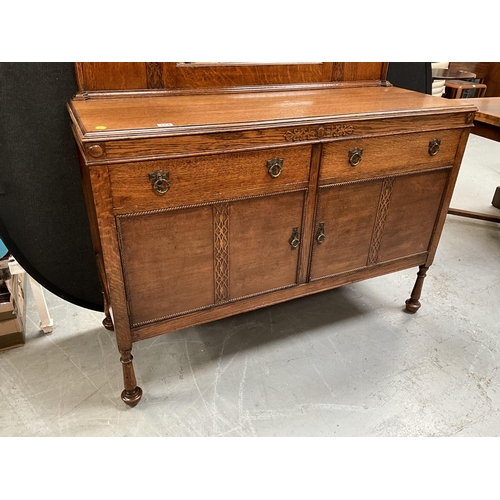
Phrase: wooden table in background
[486,124]
[450,74]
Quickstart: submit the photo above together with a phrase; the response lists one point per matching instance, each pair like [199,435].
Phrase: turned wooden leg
[107,321]
[132,394]
[413,304]
[496,198]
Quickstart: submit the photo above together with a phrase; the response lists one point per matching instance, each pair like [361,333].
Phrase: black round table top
[43,221]
[447,74]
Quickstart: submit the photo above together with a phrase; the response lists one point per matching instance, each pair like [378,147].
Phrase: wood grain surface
[156,113]
[225,236]
[164,75]
[385,155]
[209,178]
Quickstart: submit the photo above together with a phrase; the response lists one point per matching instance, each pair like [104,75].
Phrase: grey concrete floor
[348,362]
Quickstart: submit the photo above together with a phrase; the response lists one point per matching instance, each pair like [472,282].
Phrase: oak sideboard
[208,201]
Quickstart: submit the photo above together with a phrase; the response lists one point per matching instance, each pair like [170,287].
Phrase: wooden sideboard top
[105,118]
[488,109]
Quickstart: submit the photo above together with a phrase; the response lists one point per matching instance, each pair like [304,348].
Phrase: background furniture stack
[486,124]
[458,80]
[438,86]
[465,87]
[13,280]
[12,307]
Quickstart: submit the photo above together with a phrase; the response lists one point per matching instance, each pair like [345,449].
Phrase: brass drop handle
[160,181]
[275,167]
[355,156]
[434,147]
[294,239]
[320,235]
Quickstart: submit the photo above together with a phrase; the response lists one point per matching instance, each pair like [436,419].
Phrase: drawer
[387,155]
[192,180]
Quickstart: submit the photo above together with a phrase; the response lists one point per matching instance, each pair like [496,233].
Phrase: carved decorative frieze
[321,132]
[221,251]
[378,229]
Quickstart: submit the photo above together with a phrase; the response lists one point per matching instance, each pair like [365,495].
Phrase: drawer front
[193,180]
[355,159]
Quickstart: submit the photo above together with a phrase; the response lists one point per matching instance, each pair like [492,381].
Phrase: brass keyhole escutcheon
[320,235]
[275,167]
[294,239]
[355,156]
[434,147]
[160,181]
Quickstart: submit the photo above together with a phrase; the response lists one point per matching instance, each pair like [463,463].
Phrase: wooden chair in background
[459,89]
[463,88]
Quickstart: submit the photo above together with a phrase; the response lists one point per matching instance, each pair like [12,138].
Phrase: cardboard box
[7,311]
[11,334]
[13,314]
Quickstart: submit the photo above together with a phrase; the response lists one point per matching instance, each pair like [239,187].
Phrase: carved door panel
[414,202]
[177,261]
[365,223]
[167,260]
[264,243]
[343,229]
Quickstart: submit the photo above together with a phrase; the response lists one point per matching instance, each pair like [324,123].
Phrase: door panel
[168,262]
[260,254]
[414,207]
[348,213]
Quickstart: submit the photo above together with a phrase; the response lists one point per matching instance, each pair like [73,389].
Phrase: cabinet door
[344,225]
[263,254]
[167,260]
[413,207]
[180,260]
[366,223]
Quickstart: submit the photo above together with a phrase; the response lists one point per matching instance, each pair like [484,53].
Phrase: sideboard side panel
[447,196]
[101,192]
